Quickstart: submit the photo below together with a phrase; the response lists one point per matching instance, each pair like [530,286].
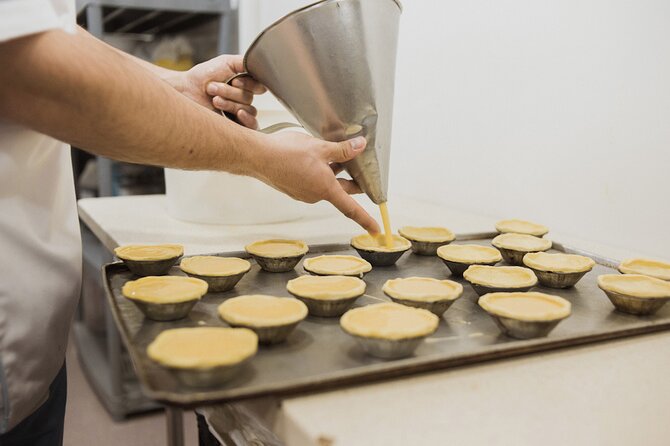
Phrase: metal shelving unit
[101,353]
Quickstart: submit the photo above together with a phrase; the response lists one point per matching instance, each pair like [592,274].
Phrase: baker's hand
[205,84]
[305,168]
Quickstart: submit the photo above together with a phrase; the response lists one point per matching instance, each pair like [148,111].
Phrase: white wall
[556,111]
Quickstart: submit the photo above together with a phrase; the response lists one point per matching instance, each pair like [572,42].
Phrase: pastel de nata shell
[423,289]
[164,289]
[500,276]
[647,267]
[431,234]
[389,321]
[202,347]
[257,310]
[377,243]
[521,227]
[635,285]
[470,254]
[343,265]
[277,248]
[558,262]
[326,287]
[530,306]
[149,252]
[214,266]
[521,242]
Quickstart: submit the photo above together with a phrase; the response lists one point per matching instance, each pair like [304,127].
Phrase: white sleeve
[20,18]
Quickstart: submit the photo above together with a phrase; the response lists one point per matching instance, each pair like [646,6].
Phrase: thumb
[339,152]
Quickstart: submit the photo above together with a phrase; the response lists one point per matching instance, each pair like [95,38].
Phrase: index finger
[350,208]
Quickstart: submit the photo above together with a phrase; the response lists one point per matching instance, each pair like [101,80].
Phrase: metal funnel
[332,65]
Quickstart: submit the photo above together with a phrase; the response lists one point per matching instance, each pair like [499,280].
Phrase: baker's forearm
[82,92]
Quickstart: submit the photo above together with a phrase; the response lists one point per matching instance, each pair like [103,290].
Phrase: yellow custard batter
[386,221]
[368,242]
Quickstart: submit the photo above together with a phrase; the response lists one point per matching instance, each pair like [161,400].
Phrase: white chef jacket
[40,258]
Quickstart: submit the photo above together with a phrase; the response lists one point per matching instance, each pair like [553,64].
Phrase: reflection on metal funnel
[332,65]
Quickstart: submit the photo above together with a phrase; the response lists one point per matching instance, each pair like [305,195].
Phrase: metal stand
[174,418]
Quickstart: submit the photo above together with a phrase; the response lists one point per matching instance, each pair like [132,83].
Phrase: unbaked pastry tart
[337,265]
[430,294]
[203,356]
[517,226]
[326,296]
[426,239]
[220,273]
[272,318]
[149,260]
[648,267]
[458,258]
[558,270]
[165,298]
[373,248]
[389,330]
[635,293]
[489,279]
[525,315]
[514,246]
[277,255]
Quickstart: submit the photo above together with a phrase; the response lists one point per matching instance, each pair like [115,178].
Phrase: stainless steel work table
[607,393]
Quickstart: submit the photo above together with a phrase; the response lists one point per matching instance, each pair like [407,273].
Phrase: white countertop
[610,393]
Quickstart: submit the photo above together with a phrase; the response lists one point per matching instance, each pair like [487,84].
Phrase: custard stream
[388,238]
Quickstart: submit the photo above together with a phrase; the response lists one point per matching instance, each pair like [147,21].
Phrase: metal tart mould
[217,279]
[421,246]
[382,333]
[220,284]
[202,375]
[280,264]
[173,310]
[371,248]
[327,308]
[636,305]
[437,300]
[482,289]
[326,296]
[552,279]
[458,267]
[515,256]
[148,267]
[525,327]
[268,333]
[389,348]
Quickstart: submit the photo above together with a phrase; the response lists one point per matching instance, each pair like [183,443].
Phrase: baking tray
[320,356]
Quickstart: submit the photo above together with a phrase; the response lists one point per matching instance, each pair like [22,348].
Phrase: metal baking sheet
[320,356]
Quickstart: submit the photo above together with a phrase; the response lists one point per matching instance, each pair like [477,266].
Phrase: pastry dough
[214,266]
[337,265]
[389,321]
[470,254]
[521,227]
[531,306]
[203,347]
[427,234]
[164,289]
[521,242]
[422,289]
[148,252]
[258,310]
[558,263]
[648,267]
[368,242]
[500,276]
[635,285]
[326,287]
[277,248]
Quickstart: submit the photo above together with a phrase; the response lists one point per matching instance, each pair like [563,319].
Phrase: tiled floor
[88,424]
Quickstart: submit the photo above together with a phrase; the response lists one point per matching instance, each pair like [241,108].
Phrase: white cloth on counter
[246,423]
[40,266]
